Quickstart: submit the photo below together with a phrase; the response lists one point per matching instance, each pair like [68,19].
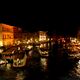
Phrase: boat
[19,62]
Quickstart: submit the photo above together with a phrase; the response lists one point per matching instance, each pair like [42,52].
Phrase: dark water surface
[30,73]
[54,67]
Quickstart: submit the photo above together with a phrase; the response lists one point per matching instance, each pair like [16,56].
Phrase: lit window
[1,44]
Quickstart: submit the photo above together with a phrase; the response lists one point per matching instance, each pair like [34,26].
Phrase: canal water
[26,74]
[41,72]
[74,73]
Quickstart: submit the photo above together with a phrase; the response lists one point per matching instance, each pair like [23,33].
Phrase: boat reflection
[20,75]
[44,63]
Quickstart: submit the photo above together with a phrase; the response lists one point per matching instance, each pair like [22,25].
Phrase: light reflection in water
[13,75]
[44,63]
[20,75]
[76,70]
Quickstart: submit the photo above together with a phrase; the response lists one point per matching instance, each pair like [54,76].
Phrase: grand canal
[29,72]
[26,74]
[58,67]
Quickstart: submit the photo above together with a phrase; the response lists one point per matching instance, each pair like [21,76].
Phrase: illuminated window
[1,44]
[4,36]
[7,36]
[44,45]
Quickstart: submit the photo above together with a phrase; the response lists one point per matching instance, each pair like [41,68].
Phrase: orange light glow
[6,35]
[1,44]
[8,38]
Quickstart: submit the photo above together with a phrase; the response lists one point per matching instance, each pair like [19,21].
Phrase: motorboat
[20,62]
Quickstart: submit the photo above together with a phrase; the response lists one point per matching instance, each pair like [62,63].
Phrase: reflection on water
[8,75]
[76,70]
[44,63]
[13,75]
[20,74]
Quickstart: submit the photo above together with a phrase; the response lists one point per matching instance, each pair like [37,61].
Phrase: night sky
[67,25]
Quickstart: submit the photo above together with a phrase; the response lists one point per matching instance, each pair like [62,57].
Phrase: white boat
[20,62]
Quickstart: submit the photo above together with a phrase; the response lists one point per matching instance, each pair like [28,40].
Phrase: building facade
[42,36]
[9,35]
[6,35]
[17,35]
